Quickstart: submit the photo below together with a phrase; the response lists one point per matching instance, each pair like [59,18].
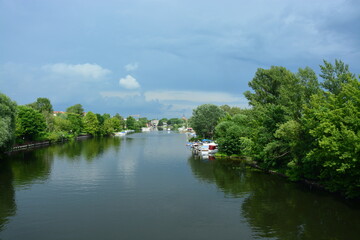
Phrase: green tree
[130,123]
[142,122]
[42,105]
[333,120]
[277,86]
[7,122]
[231,110]
[205,118]
[112,125]
[308,82]
[106,116]
[162,121]
[233,135]
[30,123]
[76,124]
[77,109]
[91,124]
[62,125]
[100,118]
[175,121]
[121,119]
[335,75]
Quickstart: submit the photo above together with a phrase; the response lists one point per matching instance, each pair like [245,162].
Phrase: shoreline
[39,144]
[304,182]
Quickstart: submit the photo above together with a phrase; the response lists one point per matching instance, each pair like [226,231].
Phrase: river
[149,186]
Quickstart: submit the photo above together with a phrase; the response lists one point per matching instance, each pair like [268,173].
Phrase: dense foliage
[205,118]
[30,124]
[7,122]
[38,122]
[299,126]
[77,109]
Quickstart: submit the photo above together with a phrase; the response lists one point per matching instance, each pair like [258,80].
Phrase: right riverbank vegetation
[296,125]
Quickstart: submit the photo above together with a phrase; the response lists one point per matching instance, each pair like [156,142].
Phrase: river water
[149,186]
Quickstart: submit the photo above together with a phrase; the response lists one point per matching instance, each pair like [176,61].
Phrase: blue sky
[162,58]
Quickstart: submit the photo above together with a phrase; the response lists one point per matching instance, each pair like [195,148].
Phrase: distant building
[56,113]
[154,123]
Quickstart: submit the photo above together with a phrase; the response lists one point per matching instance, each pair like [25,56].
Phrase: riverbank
[37,144]
[252,164]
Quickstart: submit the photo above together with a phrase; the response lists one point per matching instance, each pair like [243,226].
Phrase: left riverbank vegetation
[296,125]
[37,122]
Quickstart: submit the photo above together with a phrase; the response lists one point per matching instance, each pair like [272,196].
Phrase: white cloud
[118,94]
[131,67]
[86,70]
[129,82]
[192,96]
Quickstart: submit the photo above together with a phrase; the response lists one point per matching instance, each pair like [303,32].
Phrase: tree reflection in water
[276,208]
[7,194]
[19,170]
[24,168]
[89,148]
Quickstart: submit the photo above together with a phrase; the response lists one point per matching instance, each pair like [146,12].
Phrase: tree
[76,123]
[335,75]
[42,105]
[121,119]
[111,125]
[162,122]
[30,123]
[91,124]
[309,83]
[106,116]
[333,120]
[143,122]
[62,125]
[77,109]
[205,118]
[131,123]
[100,118]
[233,135]
[231,110]
[175,121]
[7,122]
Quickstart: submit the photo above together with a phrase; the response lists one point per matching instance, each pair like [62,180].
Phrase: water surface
[148,186]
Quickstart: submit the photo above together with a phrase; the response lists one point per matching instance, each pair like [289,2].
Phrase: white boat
[145,129]
[205,148]
[209,148]
[213,148]
[120,134]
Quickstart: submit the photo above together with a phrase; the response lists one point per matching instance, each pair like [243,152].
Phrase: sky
[163,58]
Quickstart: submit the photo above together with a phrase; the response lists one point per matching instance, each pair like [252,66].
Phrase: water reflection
[278,209]
[17,171]
[128,162]
[7,194]
[114,185]
[29,167]
[22,169]
[228,177]
[88,148]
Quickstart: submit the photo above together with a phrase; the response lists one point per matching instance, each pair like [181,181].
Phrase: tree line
[297,125]
[37,121]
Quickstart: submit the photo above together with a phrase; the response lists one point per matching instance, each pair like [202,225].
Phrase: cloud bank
[192,96]
[86,70]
